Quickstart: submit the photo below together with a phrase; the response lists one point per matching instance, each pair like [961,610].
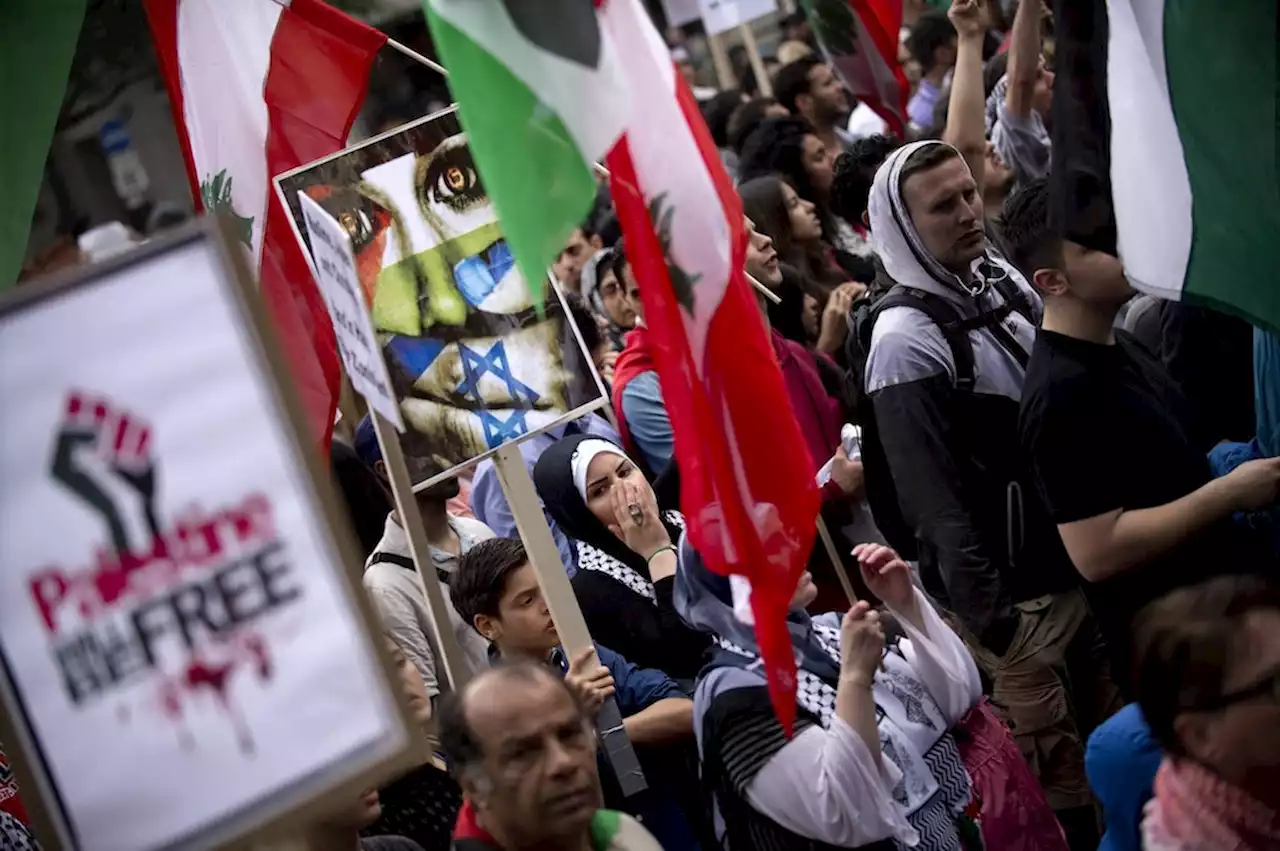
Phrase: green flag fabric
[538,93]
[37,43]
[1194,104]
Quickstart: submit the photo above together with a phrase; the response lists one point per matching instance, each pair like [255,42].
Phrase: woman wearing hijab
[605,293]
[871,763]
[626,553]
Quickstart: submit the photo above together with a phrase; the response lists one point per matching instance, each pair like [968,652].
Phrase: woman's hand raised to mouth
[638,523]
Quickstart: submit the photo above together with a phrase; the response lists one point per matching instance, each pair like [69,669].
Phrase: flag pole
[836,562]
[396,46]
[415,56]
[757,63]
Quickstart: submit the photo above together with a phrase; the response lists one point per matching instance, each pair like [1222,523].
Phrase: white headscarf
[583,456]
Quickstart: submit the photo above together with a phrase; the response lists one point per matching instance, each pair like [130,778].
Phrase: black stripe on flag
[1080,181]
[567,28]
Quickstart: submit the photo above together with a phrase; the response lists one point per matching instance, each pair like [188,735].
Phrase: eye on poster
[185,653]
[474,362]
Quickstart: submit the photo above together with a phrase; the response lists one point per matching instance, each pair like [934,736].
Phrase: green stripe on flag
[1224,84]
[37,43]
[522,149]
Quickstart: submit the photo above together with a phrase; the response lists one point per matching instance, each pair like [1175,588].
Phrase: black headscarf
[553,477]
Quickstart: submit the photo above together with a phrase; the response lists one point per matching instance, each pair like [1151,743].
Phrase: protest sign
[339,283]
[681,12]
[474,363]
[186,656]
[720,16]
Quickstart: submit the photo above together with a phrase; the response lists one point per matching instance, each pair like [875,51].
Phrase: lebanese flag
[747,488]
[860,40]
[257,88]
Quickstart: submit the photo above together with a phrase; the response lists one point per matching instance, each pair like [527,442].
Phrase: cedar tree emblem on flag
[215,192]
[682,283]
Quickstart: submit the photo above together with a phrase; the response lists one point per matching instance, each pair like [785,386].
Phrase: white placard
[681,12]
[180,645]
[722,15]
[339,282]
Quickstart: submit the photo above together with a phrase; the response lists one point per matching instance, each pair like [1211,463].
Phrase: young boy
[496,590]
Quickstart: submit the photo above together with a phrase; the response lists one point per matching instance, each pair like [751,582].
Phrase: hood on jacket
[903,252]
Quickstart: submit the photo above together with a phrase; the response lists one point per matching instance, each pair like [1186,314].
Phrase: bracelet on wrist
[659,551]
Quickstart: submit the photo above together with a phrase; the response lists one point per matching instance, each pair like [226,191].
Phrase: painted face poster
[179,637]
[474,362]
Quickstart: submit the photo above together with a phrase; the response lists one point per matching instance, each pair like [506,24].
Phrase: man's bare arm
[1024,58]
[1118,541]
[665,720]
[966,114]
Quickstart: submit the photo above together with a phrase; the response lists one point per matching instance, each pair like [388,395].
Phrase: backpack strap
[405,562]
[955,328]
[1010,292]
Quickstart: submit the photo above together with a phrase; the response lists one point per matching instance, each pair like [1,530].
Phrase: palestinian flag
[860,40]
[258,88]
[539,90]
[746,489]
[1183,127]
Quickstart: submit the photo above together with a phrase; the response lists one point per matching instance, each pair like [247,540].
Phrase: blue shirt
[920,107]
[1121,761]
[490,504]
[647,420]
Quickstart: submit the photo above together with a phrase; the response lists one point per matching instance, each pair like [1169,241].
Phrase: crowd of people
[1052,498]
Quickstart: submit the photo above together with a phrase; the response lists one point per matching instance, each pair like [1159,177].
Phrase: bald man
[524,752]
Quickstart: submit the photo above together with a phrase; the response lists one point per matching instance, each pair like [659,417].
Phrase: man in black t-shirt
[1112,443]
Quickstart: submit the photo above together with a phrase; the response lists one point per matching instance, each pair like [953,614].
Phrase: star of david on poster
[476,366]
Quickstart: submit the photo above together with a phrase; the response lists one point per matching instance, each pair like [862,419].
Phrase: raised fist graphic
[97,442]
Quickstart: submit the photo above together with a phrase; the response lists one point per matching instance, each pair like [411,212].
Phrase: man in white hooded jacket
[945,366]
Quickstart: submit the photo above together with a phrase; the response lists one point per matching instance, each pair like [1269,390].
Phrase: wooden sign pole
[757,63]
[556,590]
[444,644]
[836,562]
[720,59]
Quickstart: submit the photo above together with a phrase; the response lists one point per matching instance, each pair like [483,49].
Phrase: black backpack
[882,495]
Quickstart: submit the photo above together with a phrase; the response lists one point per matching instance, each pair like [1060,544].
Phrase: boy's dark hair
[855,172]
[1028,239]
[932,30]
[745,119]
[717,112]
[1183,643]
[792,80]
[458,741]
[477,584]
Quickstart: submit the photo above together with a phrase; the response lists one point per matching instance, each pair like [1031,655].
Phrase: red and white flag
[746,480]
[860,39]
[257,88]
